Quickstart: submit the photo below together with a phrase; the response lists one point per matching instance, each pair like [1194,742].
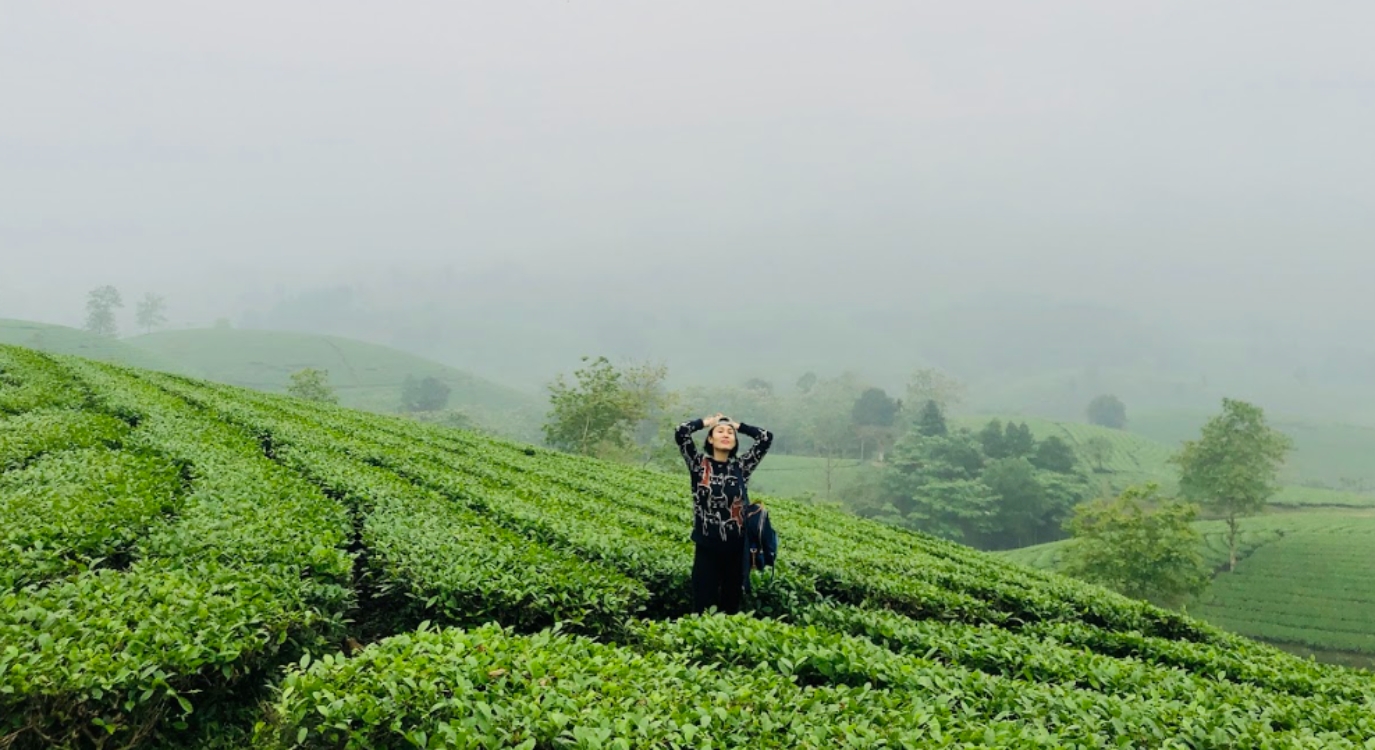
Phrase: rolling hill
[1303,580]
[366,376]
[64,340]
[191,564]
[1327,455]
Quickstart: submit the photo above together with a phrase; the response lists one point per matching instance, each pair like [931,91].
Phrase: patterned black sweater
[718,486]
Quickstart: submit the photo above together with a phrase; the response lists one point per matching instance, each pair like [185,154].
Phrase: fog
[735,189]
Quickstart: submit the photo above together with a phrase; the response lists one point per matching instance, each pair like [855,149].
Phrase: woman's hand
[712,421]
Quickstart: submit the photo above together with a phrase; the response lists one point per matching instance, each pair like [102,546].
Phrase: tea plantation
[1303,580]
[196,565]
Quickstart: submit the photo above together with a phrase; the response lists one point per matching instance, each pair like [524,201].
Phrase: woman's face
[723,437]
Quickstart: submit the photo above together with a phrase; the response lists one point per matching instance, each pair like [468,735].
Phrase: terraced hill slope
[198,565]
[1304,579]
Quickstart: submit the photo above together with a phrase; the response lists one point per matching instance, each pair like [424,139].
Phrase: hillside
[1326,454]
[1303,579]
[74,341]
[366,376]
[185,561]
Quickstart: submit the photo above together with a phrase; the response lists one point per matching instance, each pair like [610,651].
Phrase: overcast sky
[1209,156]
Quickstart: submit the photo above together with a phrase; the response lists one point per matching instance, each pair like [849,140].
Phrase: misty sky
[1177,156]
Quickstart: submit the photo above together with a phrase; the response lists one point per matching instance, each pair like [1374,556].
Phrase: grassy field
[63,340]
[195,565]
[366,376]
[1304,579]
[798,476]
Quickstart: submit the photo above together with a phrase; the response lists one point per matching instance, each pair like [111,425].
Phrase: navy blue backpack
[761,541]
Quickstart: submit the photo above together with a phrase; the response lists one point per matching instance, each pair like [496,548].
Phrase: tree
[660,412]
[429,394]
[991,437]
[100,315]
[150,312]
[1032,502]
[824,414]
[929,384]
[934,484]
[599,414]
[1099,451]
[1151,555]
[931,422]
[806,382]
[1018,440]
[1107,411]
[1233,468]
[873,415]
[874,407]
[312,385]
[1021,499]
[1055,455]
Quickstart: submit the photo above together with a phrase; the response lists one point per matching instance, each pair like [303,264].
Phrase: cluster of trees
[616,413]
[425,398]
[997,488]
[1142,544]
[628,413]
[101,303]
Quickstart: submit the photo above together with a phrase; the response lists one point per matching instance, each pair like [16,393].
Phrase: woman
[719,478]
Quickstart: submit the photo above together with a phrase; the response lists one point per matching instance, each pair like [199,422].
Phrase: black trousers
[718,576]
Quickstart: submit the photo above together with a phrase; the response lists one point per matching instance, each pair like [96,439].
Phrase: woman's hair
[706,444]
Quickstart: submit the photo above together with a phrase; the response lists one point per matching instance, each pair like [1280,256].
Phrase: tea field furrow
[456,567]
[1015,656]
[1262,667]
[80,509]
[1303,634]
[815,656]
[30,381]
[478,535]
[492,688]
[26,437]
[251,571]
